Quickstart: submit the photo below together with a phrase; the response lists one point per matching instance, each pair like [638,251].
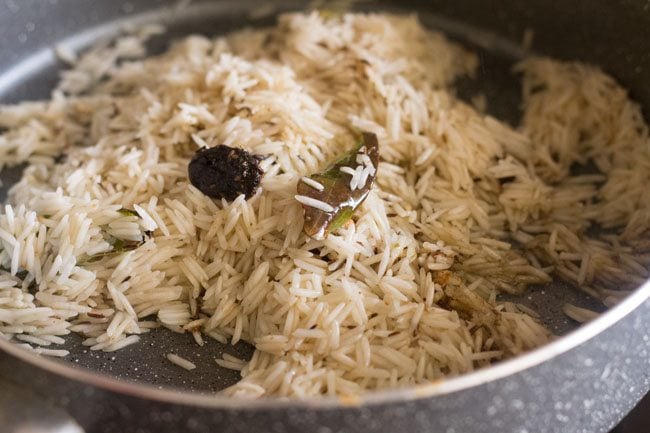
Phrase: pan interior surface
[34,76]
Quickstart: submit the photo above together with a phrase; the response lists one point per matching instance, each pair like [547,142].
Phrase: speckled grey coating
[587,389]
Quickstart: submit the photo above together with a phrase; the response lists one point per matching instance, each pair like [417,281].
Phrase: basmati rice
[579,314]
[181,362]
[325,207]
[311,182]
[112,240]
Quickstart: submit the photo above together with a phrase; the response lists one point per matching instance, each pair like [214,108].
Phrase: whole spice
[331,197]
[225,172]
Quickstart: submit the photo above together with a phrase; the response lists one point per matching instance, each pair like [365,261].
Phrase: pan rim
[418,392]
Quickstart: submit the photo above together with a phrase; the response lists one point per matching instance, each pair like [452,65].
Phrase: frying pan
[585,381]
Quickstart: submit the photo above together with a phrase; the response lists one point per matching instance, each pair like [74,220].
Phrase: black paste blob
[225,172]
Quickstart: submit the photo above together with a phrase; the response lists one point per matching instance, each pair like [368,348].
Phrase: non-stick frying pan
[586,381]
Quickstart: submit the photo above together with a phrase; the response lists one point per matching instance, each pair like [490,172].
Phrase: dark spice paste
[225,172]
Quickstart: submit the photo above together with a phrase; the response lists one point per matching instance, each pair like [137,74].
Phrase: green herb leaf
[128,212]
[119,246]
[337,191]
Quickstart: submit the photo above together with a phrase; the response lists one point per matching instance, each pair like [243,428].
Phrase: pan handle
[21,411]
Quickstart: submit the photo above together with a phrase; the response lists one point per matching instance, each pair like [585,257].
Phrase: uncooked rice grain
[311,182]
[181,362]
[312,202]
[579,314]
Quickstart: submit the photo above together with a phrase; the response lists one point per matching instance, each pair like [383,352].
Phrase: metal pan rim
[442,387]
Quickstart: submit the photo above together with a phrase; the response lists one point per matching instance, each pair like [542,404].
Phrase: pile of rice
[464,206]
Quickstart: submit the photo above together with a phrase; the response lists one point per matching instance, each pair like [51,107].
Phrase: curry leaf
[339,191]
[119,246]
